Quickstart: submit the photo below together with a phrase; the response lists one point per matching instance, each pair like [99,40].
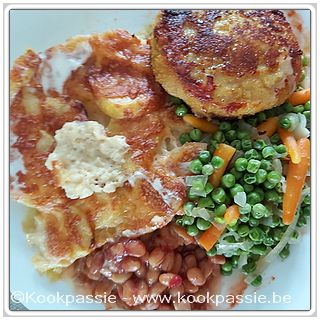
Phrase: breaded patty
[64,229]
[226,63]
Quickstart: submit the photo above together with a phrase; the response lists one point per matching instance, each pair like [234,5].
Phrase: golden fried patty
[227,63]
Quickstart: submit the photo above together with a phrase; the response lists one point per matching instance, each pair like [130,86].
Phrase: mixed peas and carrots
[239,196]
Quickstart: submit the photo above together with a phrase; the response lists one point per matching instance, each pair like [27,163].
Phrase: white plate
[40,29]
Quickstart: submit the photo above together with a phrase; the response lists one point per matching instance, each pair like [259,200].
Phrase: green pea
[281,148]
[228,199]
[226,266]
[287,107]
[269,152]
[248,268]
[184,138]
[237,174]
[277,234]
[241,134]
[306,211]
[248,187]
[258,211]
[188,207]
[285,122]
[225,273]
[179,222]
[241,164]
[275,221]
[253,198]
[302,221]
[208,187]
[259,144]
[305,60]
[218,195]
[231,135]
[270,112]
[250,178]
[217,162]
[245,209]
[243,230]
[257,281]
[206,202]
[253,222]
[191,196]
[307,199]
[204,156]
[228,180]
[271,195]
[207,169]
[236,144]
[275,139]
[218,136]
[259,249]
[219,220]
[261,176]
[233,227]
[253,166]
[246,144]
[187,220]
[235,261]
[225,126]
[256,234]
[211,148]
[195,135]
[192,230]
[274,177]
[252,121]
[268,242]
[307,114]
[212,252]
[266,165]
[244,218]
[220,210]
[307,106]
[175,100]
[195,166]
[181,110]
[253,257]
[298,109]
[285,252]
[203,224]
[268,185]
[252,154]
[294,236]
[235,189]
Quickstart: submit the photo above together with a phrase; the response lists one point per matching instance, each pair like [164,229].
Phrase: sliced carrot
[268,127]
[232,214]
[299,97]
[296,177]
[202,124]
[290,142]
[225,152]
[208,239]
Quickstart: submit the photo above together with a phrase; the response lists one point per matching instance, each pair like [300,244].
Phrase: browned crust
[237,52]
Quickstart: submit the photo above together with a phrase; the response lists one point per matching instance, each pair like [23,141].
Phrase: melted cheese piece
[86,160]
[57,68]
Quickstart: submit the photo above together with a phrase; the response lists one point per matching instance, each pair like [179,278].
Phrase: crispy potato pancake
[226,63]
[63,229]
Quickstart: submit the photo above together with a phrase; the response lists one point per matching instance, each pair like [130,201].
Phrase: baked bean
[190,261]
[130,264]
[200,253]
[103,287]
[206,267]
[177,290]
[168,261]
[170,280]
[120,277]
[117,249]
[131,289]
[189,287]
[141,273]
[196,277]
[135,248]
[156,257]
[177,263]
[219,259]
[156,289]
[152,276]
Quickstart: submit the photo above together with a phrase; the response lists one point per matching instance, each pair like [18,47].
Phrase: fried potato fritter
[64,229]
[226,63]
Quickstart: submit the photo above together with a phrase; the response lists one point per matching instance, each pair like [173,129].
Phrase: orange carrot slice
[290,142]
[202,124]
[296,177]
[299,97]
[211,236]
[232,214]
[225,152]
[268,127]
